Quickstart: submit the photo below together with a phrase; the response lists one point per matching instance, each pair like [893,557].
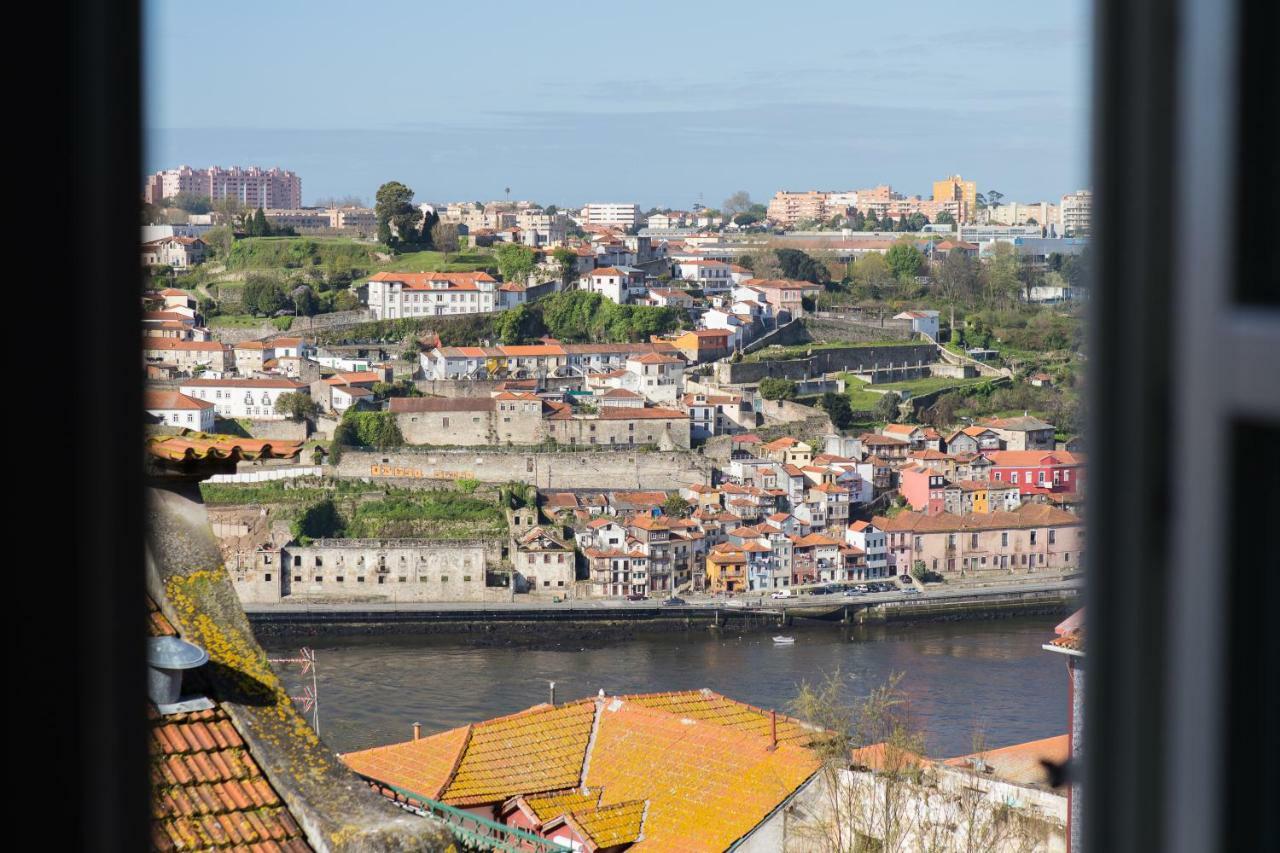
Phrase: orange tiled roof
[606,826]
[707,785]
[424,766]
[713,707]
[702,765]
[1021,763]
[154,398]
[207,791]
[535,750]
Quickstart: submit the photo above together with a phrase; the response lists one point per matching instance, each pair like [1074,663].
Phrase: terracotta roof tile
[677,771]
[207,791]
[192,446]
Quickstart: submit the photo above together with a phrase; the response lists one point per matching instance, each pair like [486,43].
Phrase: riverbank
[962,676]
[532,626]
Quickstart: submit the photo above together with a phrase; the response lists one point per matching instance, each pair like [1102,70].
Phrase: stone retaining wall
[617,469]
[826,361]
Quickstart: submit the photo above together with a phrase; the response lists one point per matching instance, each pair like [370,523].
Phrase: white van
[782,593]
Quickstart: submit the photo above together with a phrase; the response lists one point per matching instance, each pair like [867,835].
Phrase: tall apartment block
[1076,211]
[622,215]
[252,186]
[958,189]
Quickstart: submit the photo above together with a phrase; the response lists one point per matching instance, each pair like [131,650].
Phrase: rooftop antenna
[310,698]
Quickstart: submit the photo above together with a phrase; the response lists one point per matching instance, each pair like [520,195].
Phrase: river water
[960,677]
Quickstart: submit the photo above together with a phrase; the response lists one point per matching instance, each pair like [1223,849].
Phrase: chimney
[551,685]
[167,657]
[773,730]
[417,731]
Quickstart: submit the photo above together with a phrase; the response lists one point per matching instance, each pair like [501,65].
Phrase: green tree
[904,260]
[518,325]
[774,388]
[393,206]
[515,262]
[319,521]
[219,240]
[297,405]
[566,262]
[944,218]
[675,506]
[748,218]
[1001,282]
[346,301]
[838,409]
[871,276]
[798,266]
[887,406]
[193,202]
[262,295]
[430,219]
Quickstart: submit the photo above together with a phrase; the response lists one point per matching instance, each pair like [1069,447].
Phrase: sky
[664,104]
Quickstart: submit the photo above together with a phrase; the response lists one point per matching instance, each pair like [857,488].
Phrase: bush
[772,388]
[319,521]
[369,429]
[887,406]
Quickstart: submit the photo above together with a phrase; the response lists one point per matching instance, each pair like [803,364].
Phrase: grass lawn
[926,385]
[777,353]
[235,321]
[434,262]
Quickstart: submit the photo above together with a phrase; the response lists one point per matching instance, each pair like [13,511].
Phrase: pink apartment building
[252,186]
[1032,538]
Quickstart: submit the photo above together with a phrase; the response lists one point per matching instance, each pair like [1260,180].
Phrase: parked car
[674,602]
[904,579]
[782,593]
[637,596]
[911,590]
[862,587]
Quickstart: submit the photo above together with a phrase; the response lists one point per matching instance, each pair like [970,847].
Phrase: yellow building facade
[956,188]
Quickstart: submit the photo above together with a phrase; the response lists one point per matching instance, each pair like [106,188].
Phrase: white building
[176,409]
[616,215]
[431,294]
[873,542]
[617,284]
[243,398]
[711,276]
[1077,213]
[925,322]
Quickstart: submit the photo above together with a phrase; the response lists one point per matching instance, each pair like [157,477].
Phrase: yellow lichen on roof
[707,784]
[422,766]
[536,750]
[714,708]
[555,803]
[612,825]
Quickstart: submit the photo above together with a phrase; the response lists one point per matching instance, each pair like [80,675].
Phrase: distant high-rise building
[252,186]
[958,189]
[1076,211]
[621,215]
[788,208]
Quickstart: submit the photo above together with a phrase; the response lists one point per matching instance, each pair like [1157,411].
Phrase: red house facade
[1039,472]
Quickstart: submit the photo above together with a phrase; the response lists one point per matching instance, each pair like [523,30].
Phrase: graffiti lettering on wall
[400,471]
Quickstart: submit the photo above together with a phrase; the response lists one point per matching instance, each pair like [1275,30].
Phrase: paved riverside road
[694,602]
